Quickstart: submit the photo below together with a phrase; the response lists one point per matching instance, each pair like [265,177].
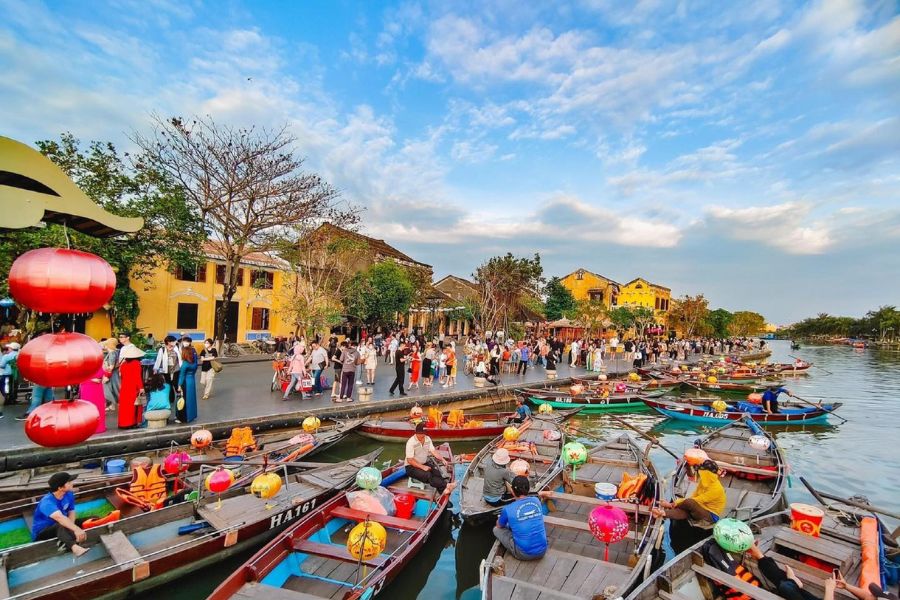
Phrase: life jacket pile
[240,442]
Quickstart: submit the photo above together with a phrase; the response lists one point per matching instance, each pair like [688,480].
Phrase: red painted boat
[491,425]
[310,559]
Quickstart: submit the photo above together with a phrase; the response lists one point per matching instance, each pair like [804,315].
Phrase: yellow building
[640,292]
[186,300]
[585,285]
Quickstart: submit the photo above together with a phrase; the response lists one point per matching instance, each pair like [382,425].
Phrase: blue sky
[747,151]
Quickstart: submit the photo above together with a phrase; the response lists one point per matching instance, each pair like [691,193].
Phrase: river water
[856,457]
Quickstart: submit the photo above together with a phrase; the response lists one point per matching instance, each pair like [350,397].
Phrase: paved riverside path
[242,390]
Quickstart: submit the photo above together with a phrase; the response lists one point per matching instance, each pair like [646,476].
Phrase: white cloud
[785,226]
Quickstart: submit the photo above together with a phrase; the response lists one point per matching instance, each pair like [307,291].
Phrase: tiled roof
[213,250]
[379,247]
[650,283]
[612,281]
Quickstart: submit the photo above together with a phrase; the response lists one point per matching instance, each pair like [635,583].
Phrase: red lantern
[62,423]
[177,462]
[219,480]
[58,359]
[57,280]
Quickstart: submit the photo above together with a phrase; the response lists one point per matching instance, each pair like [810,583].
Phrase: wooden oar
[820,407]
[646,436]
[820,496]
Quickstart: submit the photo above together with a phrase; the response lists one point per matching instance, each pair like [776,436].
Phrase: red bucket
[404,503]
[806,519]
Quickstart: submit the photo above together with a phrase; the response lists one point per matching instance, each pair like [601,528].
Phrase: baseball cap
[57,480]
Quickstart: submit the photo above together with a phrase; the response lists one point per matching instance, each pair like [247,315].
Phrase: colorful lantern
[719,406]
[545,409]
[695,456]
[368,478]
[603,377]
[311,424]
[519,467]
[733,535]
[266,485]
[510,434]
[621,388]
[415,412]
[62,423]
[711,379]
[574,453]
[576,388]
[201,439]
[176,462]
[367,540]
[60,359]
[58,280]
[755,398]
[609,525]
[634,377]
[219,480]
[760,442]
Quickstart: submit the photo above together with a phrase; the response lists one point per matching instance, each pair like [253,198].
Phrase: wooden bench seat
[626,506]
[733,582]
[121,550]
[4,580]
[261,591]
[345,512]
[819,547]
[333,551]
[578,525]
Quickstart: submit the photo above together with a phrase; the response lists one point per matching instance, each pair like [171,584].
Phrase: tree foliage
[172,231]
[560,302]
[746,323]
[643,318]
[622,317]
[882,323]
[505,285]
[592,315]
[375,296]
[690,312]
[718,321]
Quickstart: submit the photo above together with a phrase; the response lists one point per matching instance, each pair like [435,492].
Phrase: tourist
[497,490]
[451,364]
[707,503]
[349,359]
[421,460]
[111,381]
[54,516]
[124,342]
[168,364]
[131,411]
[318,360]
[399,362]
[520,528]
[91,390]
[186,406]
[157,391]
[523,359]
[151,342]
[415,367]
[523,412]
[770,398]
[334,356]
[428,365]
[7,361]
[442,366]
[574,350]
[496,354]
[297,371]
[551,359]
[207,373]
[393,344]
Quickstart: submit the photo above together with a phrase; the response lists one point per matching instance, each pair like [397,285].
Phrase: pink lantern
[177,462]
[59,359]
[62,423]
[219,481]
[609,525]
[58,280]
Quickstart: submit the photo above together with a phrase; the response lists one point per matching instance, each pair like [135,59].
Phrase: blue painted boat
[789,413]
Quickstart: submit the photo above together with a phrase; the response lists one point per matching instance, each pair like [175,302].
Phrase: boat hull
[704,416]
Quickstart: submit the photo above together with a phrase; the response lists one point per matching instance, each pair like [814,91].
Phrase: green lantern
[733,535]
[574,453]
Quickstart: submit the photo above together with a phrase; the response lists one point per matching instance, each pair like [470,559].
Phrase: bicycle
[232,350]
[280,377]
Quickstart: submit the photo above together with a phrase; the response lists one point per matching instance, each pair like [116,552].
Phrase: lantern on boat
[368,478]
[609,525]
[695,456]
[415,412]
[634,377]
[574,454]
[62,423]
[311,424]
[176,462]
[367,540]
[59,280]
[576,388]
[219,481]
[511,434]
[733,535]
[760,442]
[60,359]
[621,388]
[265,486]
[545,409]
[755,398]
[719,406]
[712,379]
[519,467]
[603,377]
[201,439]
[684,367]
[720,370]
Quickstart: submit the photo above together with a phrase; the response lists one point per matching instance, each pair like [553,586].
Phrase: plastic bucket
[605,491]
[116,465]
[404,503]
[233,459]
[806,519]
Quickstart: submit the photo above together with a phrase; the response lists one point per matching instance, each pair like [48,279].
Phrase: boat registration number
[291,514]
[715,415]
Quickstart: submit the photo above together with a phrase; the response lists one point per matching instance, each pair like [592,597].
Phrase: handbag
[216,366]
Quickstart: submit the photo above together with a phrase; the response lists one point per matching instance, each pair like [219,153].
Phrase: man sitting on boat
[707,503]
[520,527]
[420,461]
[523,411]
[497,479]
[770,398]
[54,516]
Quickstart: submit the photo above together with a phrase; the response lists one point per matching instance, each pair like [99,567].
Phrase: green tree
[172,231]
[622,317]
[643,318]
[505,285]
[718,321]
[746,323]
[560,301]
[376,295]
[592,315]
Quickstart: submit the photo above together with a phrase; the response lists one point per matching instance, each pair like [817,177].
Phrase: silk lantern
[366,541]
[511,434]
[720,406]
[311,424]
[266,486]
[733,535]
[219,481]
[176,462]
[201,439]
[60,359]
[59,280]
[368,478]
[62,423]
[609,525]
[545,409]
[574,453]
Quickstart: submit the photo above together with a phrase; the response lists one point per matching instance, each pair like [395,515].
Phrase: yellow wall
[641,292]
[588,282]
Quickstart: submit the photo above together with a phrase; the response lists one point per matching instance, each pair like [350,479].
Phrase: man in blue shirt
[520,527]
[522,412]
[54,516]
[6,374]
[770,398]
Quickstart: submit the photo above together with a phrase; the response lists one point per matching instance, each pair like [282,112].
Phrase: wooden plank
[121,550]
[261,591]
[575,525]
[544,592]
[333,551]
[4,580]
[733,582]
[344,512]
[672,596]
[817,547]
[626,506]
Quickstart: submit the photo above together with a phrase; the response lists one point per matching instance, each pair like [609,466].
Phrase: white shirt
[419,451]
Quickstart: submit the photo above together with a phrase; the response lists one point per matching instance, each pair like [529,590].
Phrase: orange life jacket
[148,484]
[241,441]
[631,485]
[745,575]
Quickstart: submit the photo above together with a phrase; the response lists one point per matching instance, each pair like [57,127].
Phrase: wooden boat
[141,552]
[574,565]
[91,474]
[752,355]
[543,455]
[727,388]
[310,560]
[795,346]
[592,402]
[793,368]
[790,413]
[100,500]
[690,576]
[492,425]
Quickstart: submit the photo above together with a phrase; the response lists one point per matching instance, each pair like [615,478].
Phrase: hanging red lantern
[58,280]
[59,359]
[62,423]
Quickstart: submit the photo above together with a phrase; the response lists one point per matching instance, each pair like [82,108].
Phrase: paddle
[820,407]
[820,496]
[812,364]
[646,436]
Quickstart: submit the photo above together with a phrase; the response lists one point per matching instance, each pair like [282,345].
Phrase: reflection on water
[857,457]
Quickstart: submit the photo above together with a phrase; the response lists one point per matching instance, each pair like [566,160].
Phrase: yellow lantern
[545,409]
[510,434]
[266,485]
[311,424]
[711,379]
[634,376]
[367,540]
[719,406]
